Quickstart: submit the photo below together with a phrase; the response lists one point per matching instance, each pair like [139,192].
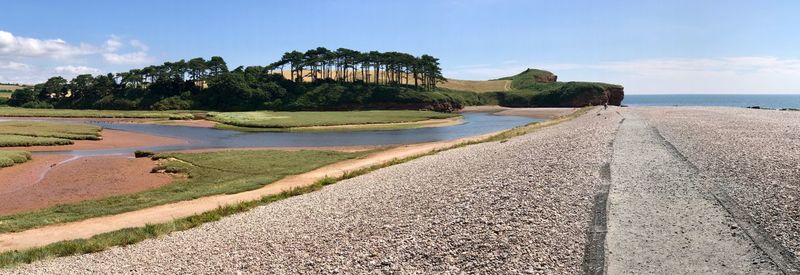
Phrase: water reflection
[474,124]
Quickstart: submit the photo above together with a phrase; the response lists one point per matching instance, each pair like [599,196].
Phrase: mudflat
[50,180]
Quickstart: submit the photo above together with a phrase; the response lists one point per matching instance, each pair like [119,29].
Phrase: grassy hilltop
[540,88]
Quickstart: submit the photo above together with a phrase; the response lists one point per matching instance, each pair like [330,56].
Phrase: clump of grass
[10,158]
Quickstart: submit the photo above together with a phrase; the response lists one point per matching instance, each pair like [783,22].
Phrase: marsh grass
[54,130]
[10,158]
[25,112]
[25,141]
[33,133]
[283,120]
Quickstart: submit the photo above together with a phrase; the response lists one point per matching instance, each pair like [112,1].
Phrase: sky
[648,46]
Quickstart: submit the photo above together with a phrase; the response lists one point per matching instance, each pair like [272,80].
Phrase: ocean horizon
[772,101]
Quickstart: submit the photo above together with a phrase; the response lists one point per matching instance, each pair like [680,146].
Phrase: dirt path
[661,217]
[165,213]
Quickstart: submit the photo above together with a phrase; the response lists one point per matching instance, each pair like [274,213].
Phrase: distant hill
[540,88]
[6,90]
[10,87]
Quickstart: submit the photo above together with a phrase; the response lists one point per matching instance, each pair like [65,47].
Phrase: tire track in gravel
[785,261]
[594,259]
[662,220]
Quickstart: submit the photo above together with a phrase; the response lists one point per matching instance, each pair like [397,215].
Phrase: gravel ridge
[520,206]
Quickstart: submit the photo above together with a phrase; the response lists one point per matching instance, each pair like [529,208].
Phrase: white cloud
[14,66]
[742,74]
[76,70]
[113,43]
[132,58]
[139,45]
[17,46]
[137,57]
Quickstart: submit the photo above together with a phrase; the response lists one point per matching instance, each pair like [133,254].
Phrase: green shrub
[143,154]
[37,105]
[172,103]
[111,102]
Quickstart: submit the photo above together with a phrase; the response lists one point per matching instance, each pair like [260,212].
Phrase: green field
[284,120]
[34,133]
[25,112]
[208,173]
[5,94]
[9,158]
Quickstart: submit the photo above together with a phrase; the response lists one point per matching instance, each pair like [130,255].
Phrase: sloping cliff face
[539,88]
[616,95]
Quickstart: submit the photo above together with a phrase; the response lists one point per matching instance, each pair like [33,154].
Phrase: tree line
[318,78]
[348,65]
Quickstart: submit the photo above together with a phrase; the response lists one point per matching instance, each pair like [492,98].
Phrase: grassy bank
[10,158]
[134,235]
[70,113]
[286,120]
[208,174]
[33,133]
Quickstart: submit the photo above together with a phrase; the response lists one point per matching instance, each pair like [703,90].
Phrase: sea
[729,100]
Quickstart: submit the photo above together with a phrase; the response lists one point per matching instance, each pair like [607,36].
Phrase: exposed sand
[112,139]
[50,180]
[540,113]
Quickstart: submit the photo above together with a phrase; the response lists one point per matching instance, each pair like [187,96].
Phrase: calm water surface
[474,124]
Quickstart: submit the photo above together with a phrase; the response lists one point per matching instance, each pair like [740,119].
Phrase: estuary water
[202,138]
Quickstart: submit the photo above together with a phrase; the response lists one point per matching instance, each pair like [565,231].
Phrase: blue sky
[648,46]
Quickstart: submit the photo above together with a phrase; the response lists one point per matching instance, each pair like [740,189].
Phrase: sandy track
[42,183]
[520,206]
[164,213]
